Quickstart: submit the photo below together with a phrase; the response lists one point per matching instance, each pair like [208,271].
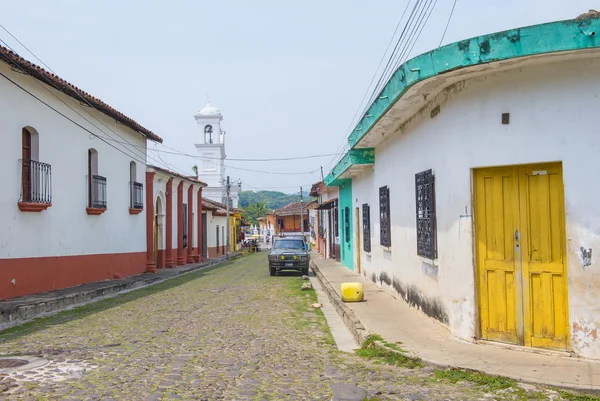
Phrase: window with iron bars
[366,220]
[384,216]
[426,219]
[347,224]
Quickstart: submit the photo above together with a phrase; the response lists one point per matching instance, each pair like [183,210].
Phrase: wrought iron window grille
[384,216]
[366,220]
[425,214]
[36,182]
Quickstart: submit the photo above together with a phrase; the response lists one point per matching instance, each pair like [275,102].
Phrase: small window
[347,224]
[96,183]
[136,189]
[185,225]
[217,238]
[36,177]
[426,221]
[384,216]
[366,217]
[336,217]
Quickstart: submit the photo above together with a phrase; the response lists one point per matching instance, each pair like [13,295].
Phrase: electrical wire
[143,154]
[447,23]
[344,142]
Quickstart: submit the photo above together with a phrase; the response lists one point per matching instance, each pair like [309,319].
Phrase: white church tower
[211,156]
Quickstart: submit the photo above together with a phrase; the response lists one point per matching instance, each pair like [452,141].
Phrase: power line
[358,110]
[448,23]
[144,154]
[66,117]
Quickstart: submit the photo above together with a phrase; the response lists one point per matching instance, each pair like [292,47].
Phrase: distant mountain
[272,199]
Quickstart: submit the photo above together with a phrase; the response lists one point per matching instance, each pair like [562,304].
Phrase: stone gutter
[17,311]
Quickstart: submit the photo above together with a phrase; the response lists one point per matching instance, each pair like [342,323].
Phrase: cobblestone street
[230,332]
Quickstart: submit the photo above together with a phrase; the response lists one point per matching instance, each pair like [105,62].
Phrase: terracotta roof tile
[169,172]
[292,208]
[71,90]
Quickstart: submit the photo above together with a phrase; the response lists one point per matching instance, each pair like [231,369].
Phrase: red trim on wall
[35,275]
[190,227]
[215,251]
[161,259]
[94,211]
[150,267]
[200,239]
[180,254]
[33,207]
[169,262]
[135,211]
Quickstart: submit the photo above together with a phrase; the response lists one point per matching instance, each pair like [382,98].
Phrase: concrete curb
[47,306]
[354,325]
[361,333]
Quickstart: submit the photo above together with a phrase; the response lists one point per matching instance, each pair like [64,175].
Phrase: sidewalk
[420,335]
[20,310]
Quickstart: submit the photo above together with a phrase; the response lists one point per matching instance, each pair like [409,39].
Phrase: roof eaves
[37,72]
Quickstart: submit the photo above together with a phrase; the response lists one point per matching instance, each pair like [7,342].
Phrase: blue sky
[288,77]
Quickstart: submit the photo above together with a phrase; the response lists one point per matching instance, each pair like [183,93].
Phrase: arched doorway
[158,235]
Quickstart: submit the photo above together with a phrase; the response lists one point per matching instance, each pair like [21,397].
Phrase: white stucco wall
[212,222]
[553,113]
[65,228]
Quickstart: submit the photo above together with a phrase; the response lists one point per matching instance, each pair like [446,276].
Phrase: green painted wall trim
[346,241]
[352,157]
[533,40]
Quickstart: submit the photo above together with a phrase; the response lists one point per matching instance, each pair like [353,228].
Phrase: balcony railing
[97,192]
[136,195]
[36,182]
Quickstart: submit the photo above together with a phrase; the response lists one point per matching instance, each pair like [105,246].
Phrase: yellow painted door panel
[521,262]
[543,256]
[496,218]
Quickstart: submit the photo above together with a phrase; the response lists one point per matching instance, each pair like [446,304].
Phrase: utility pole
[228,220]
[301,213]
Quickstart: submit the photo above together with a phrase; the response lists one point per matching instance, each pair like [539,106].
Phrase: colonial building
[464,188]
[328,231]
[290,218]
[211,156]
[73,210]
[176,228]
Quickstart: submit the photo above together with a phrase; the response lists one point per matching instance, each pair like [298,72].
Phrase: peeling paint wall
[553,112]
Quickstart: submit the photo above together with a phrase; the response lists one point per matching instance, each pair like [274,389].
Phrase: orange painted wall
[292,222]
[270,221]
[34,275]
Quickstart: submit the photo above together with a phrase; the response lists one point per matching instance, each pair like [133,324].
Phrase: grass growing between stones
[506,386]
[393,356]
[309,297]
[99,306]
[493,383]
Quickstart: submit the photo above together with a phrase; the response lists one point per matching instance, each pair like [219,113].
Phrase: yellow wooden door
[496,201]
[521,267]
[543,245]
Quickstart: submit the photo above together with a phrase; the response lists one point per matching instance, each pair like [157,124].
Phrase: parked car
[288,253]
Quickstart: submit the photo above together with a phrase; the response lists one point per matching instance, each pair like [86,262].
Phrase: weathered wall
[65,229]
[346,242]
[552,118]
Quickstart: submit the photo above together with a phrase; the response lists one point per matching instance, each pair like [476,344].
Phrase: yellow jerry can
[352,292]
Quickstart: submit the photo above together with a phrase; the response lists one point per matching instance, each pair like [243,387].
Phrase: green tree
[254,211]
[195,169]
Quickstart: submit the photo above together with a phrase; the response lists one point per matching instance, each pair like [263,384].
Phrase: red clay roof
[60,84]
[291,209]
[169,172]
